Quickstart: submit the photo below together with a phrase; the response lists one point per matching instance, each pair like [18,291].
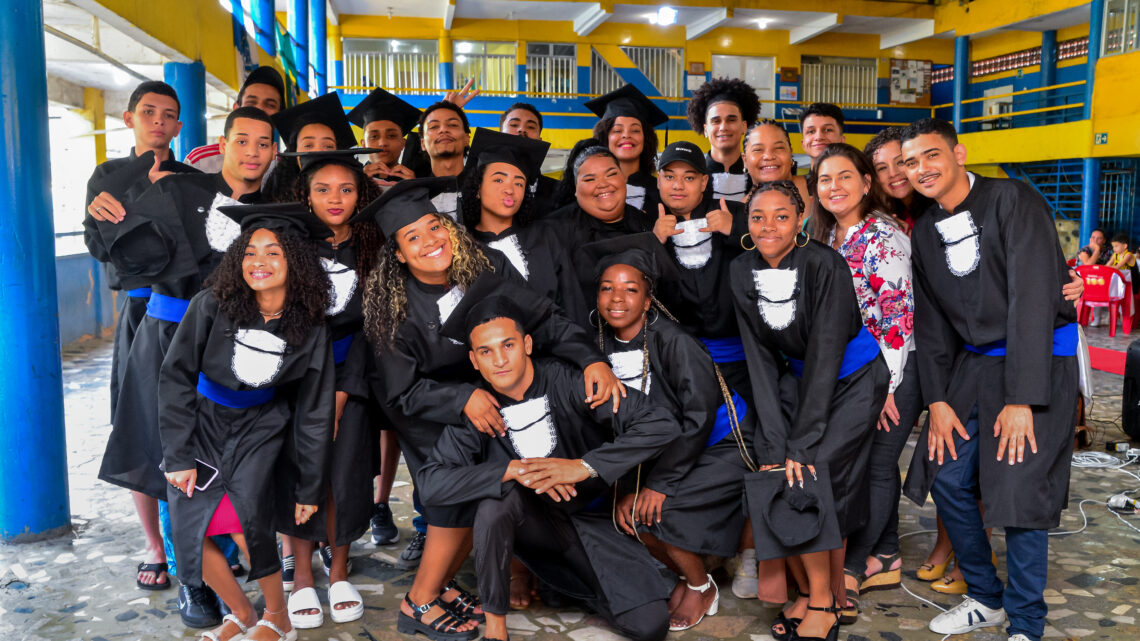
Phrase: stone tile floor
[81,587]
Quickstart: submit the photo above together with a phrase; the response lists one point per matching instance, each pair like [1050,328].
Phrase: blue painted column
[318,36]
[189,81]
[1048,72]
[266,24]
[1096,36]
[33,475]
[446,64]
[298,27]
[961,77]
[1090,199]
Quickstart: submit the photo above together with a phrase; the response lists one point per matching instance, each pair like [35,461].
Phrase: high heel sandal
[933,571]
[713,608]
[884,579]
[832,632]
[849,613]
[445,627]
[789,625]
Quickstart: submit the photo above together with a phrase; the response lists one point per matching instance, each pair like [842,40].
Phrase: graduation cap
[630,102]
[325,110]
[406,202]
[313,160]
[293,218]
[265,76]
[382,105]
[790,520]
[641,251]
[118,182]
[490,146]
[491,297]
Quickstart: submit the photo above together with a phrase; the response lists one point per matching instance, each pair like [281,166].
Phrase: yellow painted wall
[1116,105]
[1028,144]
[979,16]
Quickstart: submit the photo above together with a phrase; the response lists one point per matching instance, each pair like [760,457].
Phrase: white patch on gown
[258,355]
[693,247]
[729,186]
[960,242]
[447,203]
[447,304]
[635,196]
[221,230]
[777,291]
[511,248]
[343,281]
[628,368]
[530,427]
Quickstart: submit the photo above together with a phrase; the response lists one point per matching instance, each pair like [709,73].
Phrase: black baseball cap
[685,152]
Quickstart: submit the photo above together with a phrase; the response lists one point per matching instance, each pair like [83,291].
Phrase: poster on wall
[789,92]
[910,82]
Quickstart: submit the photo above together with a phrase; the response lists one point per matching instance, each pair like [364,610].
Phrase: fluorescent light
[666,16]
[464,47]
[461,58]
[763,23]
[652,18]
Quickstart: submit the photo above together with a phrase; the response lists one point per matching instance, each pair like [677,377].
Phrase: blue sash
[860,350]
[725,350]
[237,399]
[723,426]
[340,349]
[141,292]
[166,308]
[1064,343]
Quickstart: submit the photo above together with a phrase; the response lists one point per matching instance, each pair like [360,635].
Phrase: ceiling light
[461,59]
[763,23]
[666,16]
[464,47]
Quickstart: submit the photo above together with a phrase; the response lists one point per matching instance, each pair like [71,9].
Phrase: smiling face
[247,150]
[724,127]
[626,139]
[600,189]
[443,135]
[840,187]
[333,194]
[682,187]
[767,154]
[386,136]
[264,267]
[425,247]
[936,170]
[623,300]
[154,121]
[501,354]
[819,132]
[773,224]
[889,170]
[521,122]
[502,191]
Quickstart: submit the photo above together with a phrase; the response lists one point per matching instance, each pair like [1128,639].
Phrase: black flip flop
[156,568]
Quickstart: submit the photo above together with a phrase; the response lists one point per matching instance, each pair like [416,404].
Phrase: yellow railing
[1022,92]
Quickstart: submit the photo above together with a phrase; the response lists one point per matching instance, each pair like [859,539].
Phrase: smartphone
[206,474]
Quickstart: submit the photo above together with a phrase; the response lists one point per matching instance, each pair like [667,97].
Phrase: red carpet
[1107,360]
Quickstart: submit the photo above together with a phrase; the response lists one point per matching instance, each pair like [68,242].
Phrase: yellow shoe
[933,571]
[947,585]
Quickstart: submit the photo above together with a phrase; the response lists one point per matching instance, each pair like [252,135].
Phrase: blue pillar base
[1090,199]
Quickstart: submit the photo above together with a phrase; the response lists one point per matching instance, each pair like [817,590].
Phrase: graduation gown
[543,189]
[730,183]
[242,443]
[806,310]
[355,452]
[467,466]
[992,271]
[641,193]
[703,482]
[574,227]
[539,257]
[133,450]
[425,379]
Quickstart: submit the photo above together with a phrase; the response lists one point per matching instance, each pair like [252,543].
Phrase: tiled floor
[81,587]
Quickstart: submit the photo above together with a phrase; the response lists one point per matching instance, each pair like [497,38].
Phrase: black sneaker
[384,530]
[288,568]
[326,560]
[198,607]
[410,557]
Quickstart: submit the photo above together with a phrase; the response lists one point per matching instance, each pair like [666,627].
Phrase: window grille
[663,66]
[491,64]
[603,78]
[1066,50]
[841,81]
[401,66]
[1120,26]
[551,69]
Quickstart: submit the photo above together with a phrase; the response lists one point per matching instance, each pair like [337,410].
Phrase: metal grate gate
[845,81]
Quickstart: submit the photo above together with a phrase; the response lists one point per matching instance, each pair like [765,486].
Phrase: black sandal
[832,632]
[445,627]
[789,627]
[156,568]
[464,605]
[849,613]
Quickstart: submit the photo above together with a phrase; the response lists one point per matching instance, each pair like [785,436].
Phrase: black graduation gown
[731,183]
[813,318]
[540,258]
[355,452]
[467,466]
[448,201]
[641,193]
[131,308]
[425,379]
[543,189]
[574,227]
[703,483]
[243,444]
[1002,284]
[133,450]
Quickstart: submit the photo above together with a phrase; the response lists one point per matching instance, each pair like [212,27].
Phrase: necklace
[273,315]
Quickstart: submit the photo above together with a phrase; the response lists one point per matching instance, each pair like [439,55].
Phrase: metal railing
[603,78]
[493,71]
[854,82]
[662,66]
[415,73]
[1037,106]
[549,75]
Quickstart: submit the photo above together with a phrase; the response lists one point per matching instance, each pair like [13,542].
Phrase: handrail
[1012,93]
[1024,112]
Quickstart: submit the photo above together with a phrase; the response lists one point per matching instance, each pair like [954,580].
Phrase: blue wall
[86,306]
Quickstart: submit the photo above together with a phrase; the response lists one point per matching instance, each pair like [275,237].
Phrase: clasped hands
[554,477]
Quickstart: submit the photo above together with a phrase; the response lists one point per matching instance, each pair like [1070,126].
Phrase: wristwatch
[593,473]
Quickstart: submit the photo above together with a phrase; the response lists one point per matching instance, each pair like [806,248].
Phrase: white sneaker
[1019,637]
[967,616]
[746,582]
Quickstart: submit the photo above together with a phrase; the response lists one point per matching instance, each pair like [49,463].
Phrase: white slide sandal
[305,599]
[344,592]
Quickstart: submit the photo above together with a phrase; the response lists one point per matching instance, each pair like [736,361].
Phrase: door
[756,71]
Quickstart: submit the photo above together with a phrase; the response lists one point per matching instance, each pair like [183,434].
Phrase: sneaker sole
[969,628]
[392,541]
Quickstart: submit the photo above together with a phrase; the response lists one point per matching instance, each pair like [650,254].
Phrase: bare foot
[676,596]
[693,605]
[228,629]
[262,633]
[816,623]
[523,587]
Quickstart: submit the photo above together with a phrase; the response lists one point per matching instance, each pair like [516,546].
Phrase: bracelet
[593,473]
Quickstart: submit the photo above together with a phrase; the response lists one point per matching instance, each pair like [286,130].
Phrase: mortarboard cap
[790,520]
[325,110]
[490,146]
[630,102]
[265,76]
[313,160]
[490,297]
[288,217]
[406,202]
[642,251]
[382,105]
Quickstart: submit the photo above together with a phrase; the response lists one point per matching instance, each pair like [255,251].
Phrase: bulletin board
[910,82]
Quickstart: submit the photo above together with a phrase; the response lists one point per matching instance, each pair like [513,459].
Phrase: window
[1120,26]
[400,66]
[491,64]
[663,66]
[551,69]
[841,81]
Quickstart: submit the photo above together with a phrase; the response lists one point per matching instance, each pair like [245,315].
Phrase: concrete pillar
[1096,35]
[318,35]
[337,45]
[520,67]
[1090,199]
[1048,72]
[446,64]
[33,475]
[94,112]
[298,26]
[189,80]
[961,77]
[265,22]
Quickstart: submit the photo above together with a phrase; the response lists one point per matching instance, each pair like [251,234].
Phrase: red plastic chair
[1072,262]
[1098,287]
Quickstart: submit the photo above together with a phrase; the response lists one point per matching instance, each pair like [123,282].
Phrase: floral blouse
[878,254]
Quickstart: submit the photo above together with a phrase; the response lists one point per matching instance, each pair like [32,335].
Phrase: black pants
[881,533]
[521,522]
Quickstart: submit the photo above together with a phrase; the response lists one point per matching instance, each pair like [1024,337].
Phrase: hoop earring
[648,321]
[594,323]
[747,249]
[807,239]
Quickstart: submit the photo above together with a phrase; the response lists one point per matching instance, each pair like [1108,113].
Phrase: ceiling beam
[448,13]
[594,15]
[916,30]
[331,12]
[707,23]
[806,32]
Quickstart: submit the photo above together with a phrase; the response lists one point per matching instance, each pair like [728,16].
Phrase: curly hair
[385,292]
[647,163]
[306,287]
[472,208]
[889,134]
[874,202]
[365,234]
[732,90]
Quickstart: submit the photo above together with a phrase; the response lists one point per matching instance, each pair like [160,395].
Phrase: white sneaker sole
[969,628]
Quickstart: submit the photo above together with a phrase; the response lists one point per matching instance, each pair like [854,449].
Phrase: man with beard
[445,132]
